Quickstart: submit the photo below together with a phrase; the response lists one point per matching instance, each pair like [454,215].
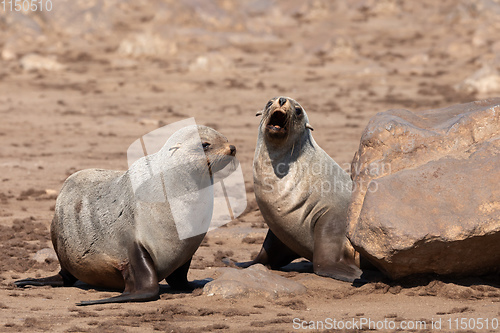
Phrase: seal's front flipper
[178,279]
[61,279]
[339,270]
[141,281]
[330,261]
[333,254]
[274,254]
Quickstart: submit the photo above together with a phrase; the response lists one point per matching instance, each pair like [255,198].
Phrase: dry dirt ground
[112,71]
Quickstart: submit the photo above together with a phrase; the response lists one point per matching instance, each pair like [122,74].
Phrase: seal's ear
[174,148]
[259,113]
[309,126]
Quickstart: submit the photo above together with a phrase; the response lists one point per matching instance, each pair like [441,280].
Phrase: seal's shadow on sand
[164,287]
[454,287]
[195,284]
[304,266]
[426,281]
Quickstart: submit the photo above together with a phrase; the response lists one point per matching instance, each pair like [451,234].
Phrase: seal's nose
[282,101]
[233,149]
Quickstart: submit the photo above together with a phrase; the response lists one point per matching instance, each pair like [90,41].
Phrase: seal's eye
[205,145]
[268,105]
[298,110]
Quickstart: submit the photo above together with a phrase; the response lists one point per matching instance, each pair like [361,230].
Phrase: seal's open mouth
[277,123]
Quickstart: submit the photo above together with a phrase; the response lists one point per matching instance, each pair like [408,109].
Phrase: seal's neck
[289,150]
[181,171]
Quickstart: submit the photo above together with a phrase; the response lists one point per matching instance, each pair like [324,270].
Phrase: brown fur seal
[107,233]
[302,194]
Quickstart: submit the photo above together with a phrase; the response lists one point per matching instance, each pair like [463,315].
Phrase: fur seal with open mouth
[302,194]
[108,233]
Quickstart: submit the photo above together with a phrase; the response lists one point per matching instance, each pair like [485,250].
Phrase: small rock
[45,255]
[485,80]
[211,62]
[34,61]
[146,45]
[254,43]
[256,280]
[382,8]
[8,54]
[51,192]
[148,121]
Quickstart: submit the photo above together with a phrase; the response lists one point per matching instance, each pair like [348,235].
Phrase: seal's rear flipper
[61,279]
[232,263]
[178,279]
[274,254]
[141,282]
[245,264]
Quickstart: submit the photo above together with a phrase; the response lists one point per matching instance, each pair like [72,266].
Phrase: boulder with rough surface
[427,191]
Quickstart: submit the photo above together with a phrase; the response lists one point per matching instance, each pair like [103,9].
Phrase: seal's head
[200,147]
[283,120]
[217,149]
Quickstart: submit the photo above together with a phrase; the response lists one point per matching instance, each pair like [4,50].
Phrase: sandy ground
[114,71]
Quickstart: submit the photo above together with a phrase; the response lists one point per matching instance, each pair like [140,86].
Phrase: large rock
[427,195]
[256,280]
